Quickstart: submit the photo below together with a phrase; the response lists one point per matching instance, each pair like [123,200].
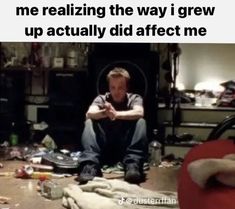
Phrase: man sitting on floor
[114,130]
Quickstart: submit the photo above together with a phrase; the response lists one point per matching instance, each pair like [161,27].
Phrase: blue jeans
[107,142]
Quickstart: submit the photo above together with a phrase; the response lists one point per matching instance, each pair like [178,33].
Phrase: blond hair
[118,72]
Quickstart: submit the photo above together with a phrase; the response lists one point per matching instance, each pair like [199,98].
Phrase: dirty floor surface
[24,195]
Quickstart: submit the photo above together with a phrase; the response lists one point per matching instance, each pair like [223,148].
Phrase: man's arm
[95,113]
[134,114]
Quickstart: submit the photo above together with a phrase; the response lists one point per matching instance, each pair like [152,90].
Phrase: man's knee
[141,123]
[88,122]
[89,125]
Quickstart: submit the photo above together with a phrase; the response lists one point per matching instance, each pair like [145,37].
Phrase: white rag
[101,193]
[223,170]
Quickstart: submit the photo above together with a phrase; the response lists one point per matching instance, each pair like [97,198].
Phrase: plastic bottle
[155,150]
[72,57]
[13,135]
[46,55]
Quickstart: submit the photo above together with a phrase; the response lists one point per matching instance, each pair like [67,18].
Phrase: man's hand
[110,111]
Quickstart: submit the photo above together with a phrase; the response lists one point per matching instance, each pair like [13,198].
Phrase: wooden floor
[24,195]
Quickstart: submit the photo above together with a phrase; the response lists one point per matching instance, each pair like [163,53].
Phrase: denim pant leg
[136,150]
[93,141]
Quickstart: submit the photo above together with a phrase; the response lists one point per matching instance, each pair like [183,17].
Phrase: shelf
[182,144]
[69,128]
[63,104]
[198,108]
[193,125]
[31,69]
[15,68]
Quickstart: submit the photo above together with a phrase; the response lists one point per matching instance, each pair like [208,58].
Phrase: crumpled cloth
[101,193]
[222,170]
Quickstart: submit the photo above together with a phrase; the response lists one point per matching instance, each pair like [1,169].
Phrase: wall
[203,62]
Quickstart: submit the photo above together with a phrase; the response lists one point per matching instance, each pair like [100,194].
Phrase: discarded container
[154,150]
[13,138]
[51,190]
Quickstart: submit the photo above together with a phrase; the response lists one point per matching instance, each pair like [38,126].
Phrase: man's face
[118,88]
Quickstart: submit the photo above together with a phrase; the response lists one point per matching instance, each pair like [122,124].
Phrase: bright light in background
[208,86]
[211,85]
[180,86]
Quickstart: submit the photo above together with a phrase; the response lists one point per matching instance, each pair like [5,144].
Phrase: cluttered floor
[26,192]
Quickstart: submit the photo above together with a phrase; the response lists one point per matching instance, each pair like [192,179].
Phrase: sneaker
[133,173]
[88,171]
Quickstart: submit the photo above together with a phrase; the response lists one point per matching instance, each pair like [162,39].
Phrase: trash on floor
[6,174]
[61,163]
[170,160]
[49,143]
[4,200]
[118,168]
[51,190]
[28,172]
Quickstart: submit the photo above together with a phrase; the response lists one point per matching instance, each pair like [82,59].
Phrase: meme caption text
[124,28]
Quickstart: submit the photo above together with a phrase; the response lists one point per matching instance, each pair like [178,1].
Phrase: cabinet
[12,98]
[38,92]
[65,107]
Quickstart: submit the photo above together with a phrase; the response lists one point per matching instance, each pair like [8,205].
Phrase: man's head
[118,80]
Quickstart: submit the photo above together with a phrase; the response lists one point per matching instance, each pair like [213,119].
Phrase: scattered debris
[118,168]
[170,160]
[35,160]
[5,174]
[51,190]
[4,200]
[75,155]
[61,163]
[28,172]
[40,167]
[40,126]
[49,143]
[65,151]
[15,153]
[5,144]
